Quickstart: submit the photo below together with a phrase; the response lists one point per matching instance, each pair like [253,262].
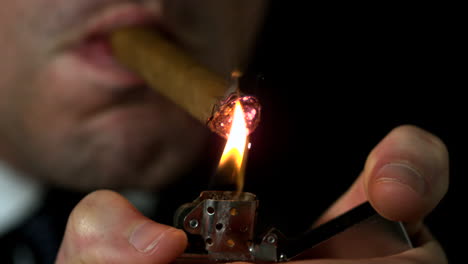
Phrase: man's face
[71,114]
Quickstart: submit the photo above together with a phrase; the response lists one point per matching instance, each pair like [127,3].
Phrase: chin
[130,151]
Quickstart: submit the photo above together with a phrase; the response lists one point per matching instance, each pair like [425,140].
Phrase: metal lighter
[221,226]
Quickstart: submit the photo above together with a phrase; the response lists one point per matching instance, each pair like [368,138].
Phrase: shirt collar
[20,197]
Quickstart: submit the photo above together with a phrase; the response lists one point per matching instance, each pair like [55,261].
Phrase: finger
[105,228]
[404,178]
[353,197]
[407,174]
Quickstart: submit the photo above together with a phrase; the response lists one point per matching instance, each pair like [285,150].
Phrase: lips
[94,52]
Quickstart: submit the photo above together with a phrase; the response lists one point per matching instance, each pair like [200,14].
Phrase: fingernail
[146,237]
[403,174]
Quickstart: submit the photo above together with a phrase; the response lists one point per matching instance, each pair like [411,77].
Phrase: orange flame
[234,154]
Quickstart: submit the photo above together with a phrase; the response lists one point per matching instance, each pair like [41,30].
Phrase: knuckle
[81,225]
[416,147]
[427,138]
[426,152]
[84,221]
[84,240]
[90,235]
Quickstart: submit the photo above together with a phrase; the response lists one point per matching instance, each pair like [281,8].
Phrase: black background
[334,79]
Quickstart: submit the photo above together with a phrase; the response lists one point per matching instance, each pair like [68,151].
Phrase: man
[70,115]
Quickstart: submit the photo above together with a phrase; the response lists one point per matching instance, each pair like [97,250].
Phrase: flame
[234,154]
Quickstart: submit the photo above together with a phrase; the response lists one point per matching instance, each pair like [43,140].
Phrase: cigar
[171,72]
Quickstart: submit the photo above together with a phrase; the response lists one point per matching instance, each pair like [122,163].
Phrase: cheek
[56,103]
[33,118]
[22,52]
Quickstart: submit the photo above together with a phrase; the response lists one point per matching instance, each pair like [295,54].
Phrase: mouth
[93,52]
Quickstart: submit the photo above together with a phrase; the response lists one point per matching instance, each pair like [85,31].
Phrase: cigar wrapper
[168,70]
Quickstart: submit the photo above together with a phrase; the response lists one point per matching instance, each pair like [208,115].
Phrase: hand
[404,178]
[105,228]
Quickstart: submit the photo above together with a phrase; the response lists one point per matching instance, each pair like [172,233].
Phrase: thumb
[405,177]
[105,228]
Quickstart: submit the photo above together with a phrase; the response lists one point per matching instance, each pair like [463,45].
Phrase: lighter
[221,225]
[222,228]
